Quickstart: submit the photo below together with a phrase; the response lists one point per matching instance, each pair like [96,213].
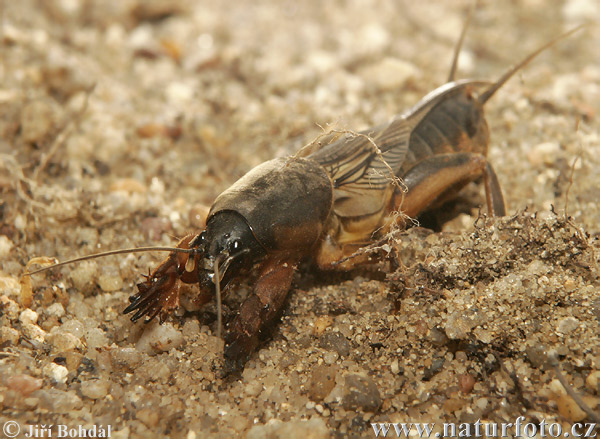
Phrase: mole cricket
[325,203]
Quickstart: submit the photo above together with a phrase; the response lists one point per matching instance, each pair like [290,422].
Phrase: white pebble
[95,338]
[159,338]
[74,327]
[55,310]
[28,316]
[56,373]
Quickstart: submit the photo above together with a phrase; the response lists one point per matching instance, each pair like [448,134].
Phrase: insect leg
[336,256]
[437,178]
[493,192]
[259,310]
[158,295]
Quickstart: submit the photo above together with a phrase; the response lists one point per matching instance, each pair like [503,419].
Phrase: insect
[325,203]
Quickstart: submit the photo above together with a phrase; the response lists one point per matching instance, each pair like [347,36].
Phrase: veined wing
[364,165]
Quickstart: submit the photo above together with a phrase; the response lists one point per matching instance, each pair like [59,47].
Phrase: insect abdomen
[456,124]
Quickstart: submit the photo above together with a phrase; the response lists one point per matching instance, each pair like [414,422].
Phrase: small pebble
[361,392]
[63,341]
[83,276]
[73,326]
[466,382]
[330,357]
[567,406]
[178,93]
[150,416]
[95,389]
[460,323]
[55,310]
[593,381]
[537,355]
[58,401]
[33,332]
[334,341]
[437,337]
[95,338]
[452,405]
[125,359]
[159,338]
[322,381]
[110,282]
[24,384]
[567,325]
[9,336]
[56,373]
[28,316]
[191,329]
[254,388]
[153,227]
[9,286]
[321,324]
[129,185]
[481,403]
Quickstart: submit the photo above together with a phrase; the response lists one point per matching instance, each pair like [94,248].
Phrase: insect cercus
[325,203]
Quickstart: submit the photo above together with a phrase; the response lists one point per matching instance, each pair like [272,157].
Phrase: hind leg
[438,179]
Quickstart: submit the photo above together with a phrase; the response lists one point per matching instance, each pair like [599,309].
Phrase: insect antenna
[461,39]
[110,253]
[487,94]
[217,282]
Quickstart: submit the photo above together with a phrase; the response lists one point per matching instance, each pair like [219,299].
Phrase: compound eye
[198,240]
[234,246]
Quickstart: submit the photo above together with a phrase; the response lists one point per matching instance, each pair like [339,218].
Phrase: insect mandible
[325,203]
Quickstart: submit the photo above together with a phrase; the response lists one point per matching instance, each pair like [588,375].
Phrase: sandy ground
[123,120]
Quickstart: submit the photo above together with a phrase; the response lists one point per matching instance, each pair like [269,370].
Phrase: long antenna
[110,253]
[217,282]
[486,95]
[459,44]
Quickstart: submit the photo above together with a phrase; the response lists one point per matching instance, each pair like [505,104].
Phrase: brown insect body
[327,204]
